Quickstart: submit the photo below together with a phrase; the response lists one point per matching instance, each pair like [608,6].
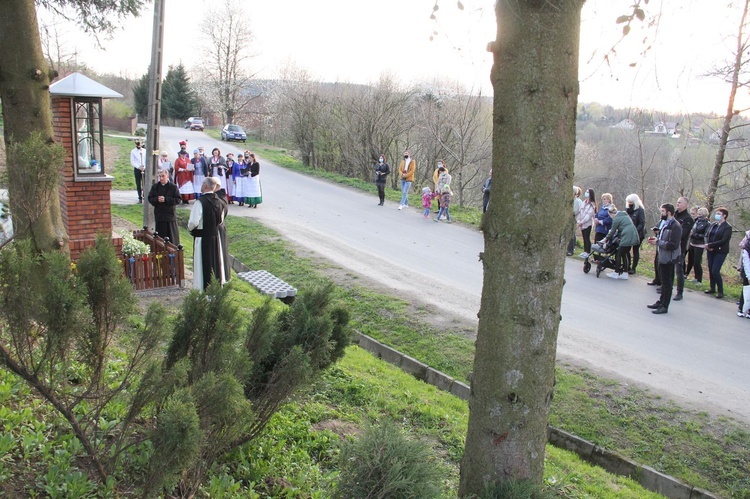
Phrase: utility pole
[154,111]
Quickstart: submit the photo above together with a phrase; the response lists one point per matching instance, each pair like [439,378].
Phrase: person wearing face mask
[406,169]
[440,171]
[682,215]
[668,245]
[637,213]
[382,169]
[138,162]
[577,204]
[585,220]
[717,248]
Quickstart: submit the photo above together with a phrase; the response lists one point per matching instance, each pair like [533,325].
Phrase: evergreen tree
[140,97]
[178,99]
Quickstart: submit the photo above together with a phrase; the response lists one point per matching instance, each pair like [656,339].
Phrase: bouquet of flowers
[131,246]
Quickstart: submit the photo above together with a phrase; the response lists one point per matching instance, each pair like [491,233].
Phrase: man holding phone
[668,244]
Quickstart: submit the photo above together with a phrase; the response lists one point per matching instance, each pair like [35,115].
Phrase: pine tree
[140,96]
[178,99]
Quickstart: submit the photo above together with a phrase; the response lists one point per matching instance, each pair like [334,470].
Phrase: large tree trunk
[24,88]
[535,80]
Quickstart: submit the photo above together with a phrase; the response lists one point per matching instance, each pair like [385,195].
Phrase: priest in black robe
[206,216]
[164,196]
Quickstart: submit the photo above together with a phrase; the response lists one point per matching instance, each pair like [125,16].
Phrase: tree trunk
[24,88]
[727,125]
[535,81]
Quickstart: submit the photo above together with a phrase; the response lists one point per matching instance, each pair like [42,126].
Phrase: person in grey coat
[669,244]
[486,193]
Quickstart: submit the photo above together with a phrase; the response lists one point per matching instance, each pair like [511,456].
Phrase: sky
[355,41]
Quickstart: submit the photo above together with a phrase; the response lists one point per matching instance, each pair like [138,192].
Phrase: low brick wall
[648,477]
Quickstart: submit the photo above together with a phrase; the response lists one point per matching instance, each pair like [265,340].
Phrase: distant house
[734,141]
[669,129]
[626,124]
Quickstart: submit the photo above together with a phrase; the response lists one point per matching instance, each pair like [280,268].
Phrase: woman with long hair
[637,213]
[585,220]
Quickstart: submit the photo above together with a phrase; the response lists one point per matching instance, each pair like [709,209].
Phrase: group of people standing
[240,179]
[680,233]
[441,179]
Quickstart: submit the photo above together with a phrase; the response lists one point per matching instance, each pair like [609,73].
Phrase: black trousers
[679,269]
[138,174]
[666,272]
[657,269]
[622,259]
[586,234]
[694,262]
[636,257]
[381,192]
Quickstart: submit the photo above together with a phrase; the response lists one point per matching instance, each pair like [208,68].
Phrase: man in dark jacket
[164,196]
[668,244]
[682,215]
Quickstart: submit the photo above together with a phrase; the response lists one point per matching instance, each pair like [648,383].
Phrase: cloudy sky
[354,41]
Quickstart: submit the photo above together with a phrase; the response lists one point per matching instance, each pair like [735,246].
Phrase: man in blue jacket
[668,243]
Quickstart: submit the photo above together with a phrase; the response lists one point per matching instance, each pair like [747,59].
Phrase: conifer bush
[383,463]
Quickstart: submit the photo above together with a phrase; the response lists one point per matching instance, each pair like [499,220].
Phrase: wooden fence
[164,266]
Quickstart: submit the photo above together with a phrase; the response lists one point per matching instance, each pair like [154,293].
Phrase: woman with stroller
[637,213]
[585,220]
[622,227]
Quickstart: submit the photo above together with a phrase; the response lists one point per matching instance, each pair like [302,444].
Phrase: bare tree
[736,74]
[229,38]
[459,123]
[370,119]
[300,107]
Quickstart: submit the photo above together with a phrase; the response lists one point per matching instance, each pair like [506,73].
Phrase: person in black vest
[682,215]
[205,217]
[164,196]
[668,243]
[717,248]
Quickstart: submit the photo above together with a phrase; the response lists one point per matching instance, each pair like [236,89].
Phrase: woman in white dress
[240,186]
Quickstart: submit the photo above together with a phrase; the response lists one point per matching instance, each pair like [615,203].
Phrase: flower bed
[162,266]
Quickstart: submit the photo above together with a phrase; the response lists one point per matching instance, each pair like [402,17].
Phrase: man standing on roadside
[668,244]
[682,215]
[164,196]
[407,168]
[138,162]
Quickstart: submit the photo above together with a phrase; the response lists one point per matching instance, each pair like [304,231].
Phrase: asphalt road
[697,354]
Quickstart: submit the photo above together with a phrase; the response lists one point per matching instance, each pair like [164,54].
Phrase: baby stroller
[603,254]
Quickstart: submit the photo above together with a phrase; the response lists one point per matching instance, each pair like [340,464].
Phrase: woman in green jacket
[623,226]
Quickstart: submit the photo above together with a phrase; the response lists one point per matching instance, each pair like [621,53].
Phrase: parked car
[233,132]
[190,120]
[197,124]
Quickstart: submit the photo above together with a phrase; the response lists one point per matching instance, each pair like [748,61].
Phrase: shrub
[384,463]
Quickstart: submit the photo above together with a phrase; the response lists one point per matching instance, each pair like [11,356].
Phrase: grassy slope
[704,451]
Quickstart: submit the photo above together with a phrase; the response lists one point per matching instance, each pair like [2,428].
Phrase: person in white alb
[138,162]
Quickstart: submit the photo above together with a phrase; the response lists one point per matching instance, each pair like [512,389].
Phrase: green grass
[121,169]
[702,450]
